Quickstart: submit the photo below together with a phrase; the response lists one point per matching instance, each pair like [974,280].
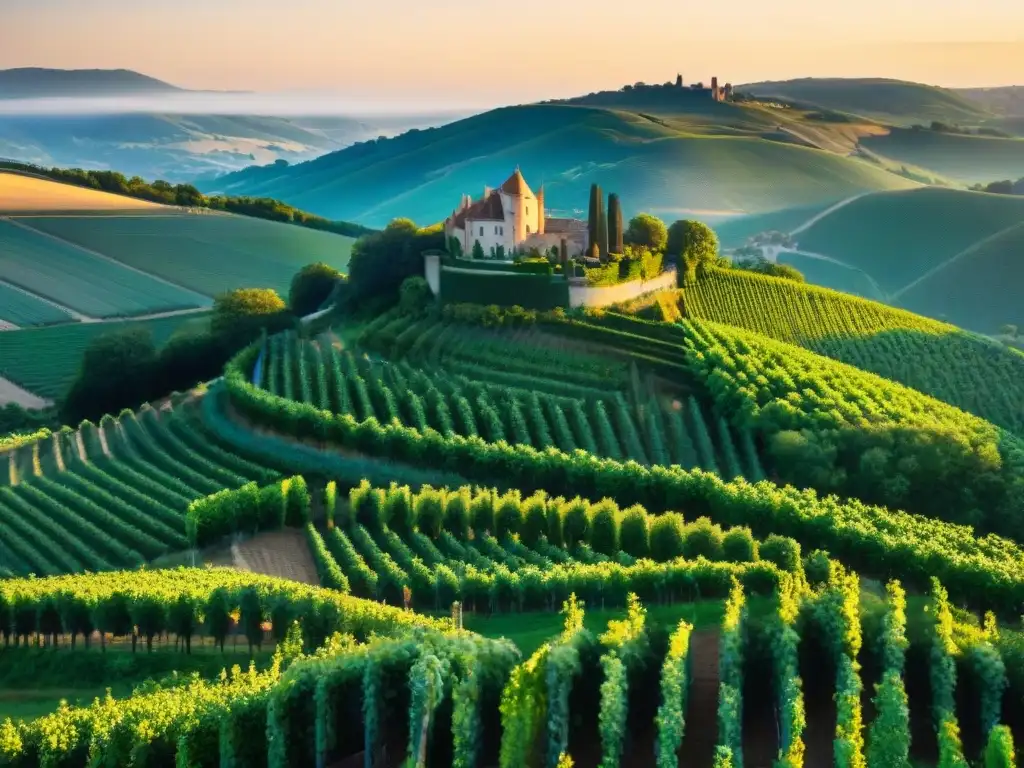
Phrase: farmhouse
[511,219]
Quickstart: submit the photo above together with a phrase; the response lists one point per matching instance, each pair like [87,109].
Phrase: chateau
[511,219]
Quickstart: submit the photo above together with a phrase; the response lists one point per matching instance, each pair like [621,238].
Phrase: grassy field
[657,164]
[890,100]
[22,309]
[898,237]
[974,374]
[208,253]
[979,289]
[734,232]
[28,194]
[45,360]
[86,283]
[834,275]
[965,159]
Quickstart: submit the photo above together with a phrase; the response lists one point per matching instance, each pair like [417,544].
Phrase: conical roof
[516,184]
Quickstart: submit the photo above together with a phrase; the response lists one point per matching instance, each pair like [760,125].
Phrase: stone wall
[581,295]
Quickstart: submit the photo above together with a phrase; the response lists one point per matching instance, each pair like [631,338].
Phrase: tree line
[187,196]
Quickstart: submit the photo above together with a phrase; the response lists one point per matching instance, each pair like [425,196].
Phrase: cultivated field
[88,284]
[208,253]
[516,472]
[978,375]
[46,360]
[21,308]
[21,194]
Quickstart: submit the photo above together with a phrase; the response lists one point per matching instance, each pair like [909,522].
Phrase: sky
[462,52]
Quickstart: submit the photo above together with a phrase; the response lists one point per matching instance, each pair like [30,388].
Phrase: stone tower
[679,81]
[715,94]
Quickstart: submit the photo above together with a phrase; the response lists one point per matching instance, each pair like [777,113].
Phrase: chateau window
[495,230]
[527,210]
[481,231]
[527,229]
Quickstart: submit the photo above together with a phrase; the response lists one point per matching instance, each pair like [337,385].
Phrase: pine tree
[615,244]
[478,250]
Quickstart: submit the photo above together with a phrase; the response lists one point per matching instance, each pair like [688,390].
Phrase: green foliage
[859,531]
[671,717]
[634,533]
[616,233]
[932,357]
[381,261]
[414,296]
[647,231]
[730,675]
[999,751]
[311,287]
[237,312]
[691,243]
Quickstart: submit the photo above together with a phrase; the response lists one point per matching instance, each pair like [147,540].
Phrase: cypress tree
[602,226]
[594,214]
[615,244]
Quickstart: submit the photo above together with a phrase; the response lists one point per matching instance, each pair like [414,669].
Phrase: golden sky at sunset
[508,51]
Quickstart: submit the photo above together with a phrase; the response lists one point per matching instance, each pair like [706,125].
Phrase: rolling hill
[119,119]
[73,258]
[654,163]
[981,282]
[893,101]
[38,82]
[973,373]
[964,159]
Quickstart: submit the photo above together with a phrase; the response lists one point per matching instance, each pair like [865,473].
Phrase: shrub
[738,545]
[667,540]
[481,512]
[816,567]
[575,523]
[430,512]
[534,519]
[398,511]
[456,514]
[297,503]
[634,533]
[781,550]
[311,287]
[702,538]
[604,527]
[508,517]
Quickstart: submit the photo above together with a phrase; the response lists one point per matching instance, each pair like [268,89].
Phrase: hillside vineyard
[444,470]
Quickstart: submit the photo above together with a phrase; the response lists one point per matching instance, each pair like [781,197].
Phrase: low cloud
[213,103]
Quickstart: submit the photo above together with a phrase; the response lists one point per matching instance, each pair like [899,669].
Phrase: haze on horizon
[399,53]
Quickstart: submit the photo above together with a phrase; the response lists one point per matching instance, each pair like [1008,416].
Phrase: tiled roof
[556,226]
[516,185]
[485,209]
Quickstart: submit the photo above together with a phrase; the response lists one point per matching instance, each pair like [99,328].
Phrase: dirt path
[12,393]
[772,255]
[201,298]
[701,734]
[283,553]
[827,212]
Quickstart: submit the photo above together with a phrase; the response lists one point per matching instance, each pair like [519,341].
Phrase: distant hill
[1008,100]
[949,254]
[33,82]
[895,101]
[717,160]
[982,282]
[964,159]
